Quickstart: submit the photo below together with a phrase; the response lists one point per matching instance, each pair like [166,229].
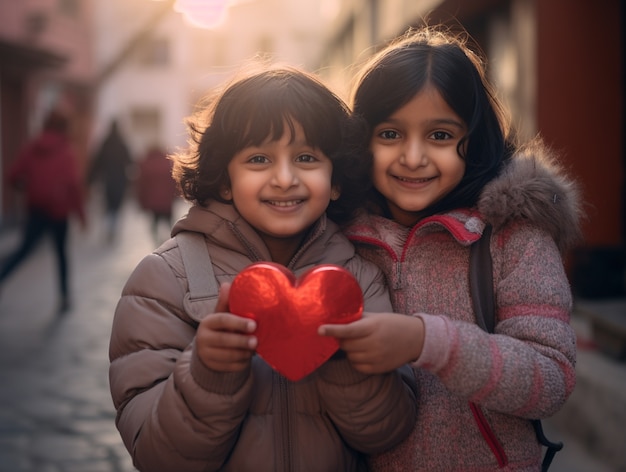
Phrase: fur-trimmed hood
[534,186]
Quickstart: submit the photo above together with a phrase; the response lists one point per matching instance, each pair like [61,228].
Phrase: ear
[335,192]
[226,194]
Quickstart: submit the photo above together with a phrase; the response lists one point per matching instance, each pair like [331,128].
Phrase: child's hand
[223,340]
[379,342]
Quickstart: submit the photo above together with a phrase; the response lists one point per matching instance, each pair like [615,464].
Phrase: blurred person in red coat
[46,169]
[156,189]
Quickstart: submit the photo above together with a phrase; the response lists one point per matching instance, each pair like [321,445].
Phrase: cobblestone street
[56,413]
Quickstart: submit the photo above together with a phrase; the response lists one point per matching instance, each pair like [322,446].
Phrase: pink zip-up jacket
[477,391]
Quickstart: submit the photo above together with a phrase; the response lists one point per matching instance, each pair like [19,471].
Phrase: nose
[285,175]
[413,154]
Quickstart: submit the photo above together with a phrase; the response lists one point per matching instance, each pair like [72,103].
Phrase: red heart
[288,312]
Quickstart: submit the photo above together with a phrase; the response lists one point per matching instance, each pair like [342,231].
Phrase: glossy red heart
[288,312]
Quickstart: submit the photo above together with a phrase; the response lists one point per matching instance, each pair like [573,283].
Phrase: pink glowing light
[203,13]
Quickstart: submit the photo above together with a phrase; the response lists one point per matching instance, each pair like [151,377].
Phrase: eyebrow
[447,121]
[437,121]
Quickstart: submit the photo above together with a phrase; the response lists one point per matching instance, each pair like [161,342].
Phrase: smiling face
[416,162]
[281,188]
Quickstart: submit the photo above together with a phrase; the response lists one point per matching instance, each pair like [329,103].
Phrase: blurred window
[155,53]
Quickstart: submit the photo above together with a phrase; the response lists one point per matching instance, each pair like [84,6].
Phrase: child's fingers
[221,344]
[228,340]
[224,331]
[224,360]
[229,322]
[343,331]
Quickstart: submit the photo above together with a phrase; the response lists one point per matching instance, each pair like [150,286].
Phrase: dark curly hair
[259,106]
[438,57]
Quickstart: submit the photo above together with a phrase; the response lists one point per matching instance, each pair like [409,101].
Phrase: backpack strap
[481,290]
[481,282]
[203,287]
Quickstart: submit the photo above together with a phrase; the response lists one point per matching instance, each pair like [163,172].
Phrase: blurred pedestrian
[111,166]
[47,171]
[156,189]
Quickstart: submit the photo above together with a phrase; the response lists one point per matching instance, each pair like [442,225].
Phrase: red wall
[580,104]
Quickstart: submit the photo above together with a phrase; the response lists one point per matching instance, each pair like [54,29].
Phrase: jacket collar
[464,225]
[222,224]
[532,187]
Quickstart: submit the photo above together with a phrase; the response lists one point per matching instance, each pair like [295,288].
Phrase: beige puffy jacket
[174,414]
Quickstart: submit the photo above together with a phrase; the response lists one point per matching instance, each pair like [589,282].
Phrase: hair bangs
[259,112]
[399,75]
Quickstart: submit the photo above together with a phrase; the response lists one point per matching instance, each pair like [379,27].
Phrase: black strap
[481,290]
[481,282]
[552,447]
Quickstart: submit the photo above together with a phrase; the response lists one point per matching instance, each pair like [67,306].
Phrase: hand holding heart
[289,311]
[283,313]
[379,342]
[224,342]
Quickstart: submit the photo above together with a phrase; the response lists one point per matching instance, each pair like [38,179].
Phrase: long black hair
[438,58]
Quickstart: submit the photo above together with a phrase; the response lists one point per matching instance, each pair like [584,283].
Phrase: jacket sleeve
[172,412]
[376,297]
[527,368]
[373,413]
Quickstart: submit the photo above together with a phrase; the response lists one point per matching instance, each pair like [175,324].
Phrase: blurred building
[140,62]
[559,64]
[45,61]
[141,50]
[155,69]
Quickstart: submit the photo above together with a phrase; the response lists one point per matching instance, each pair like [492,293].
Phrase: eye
[440,135]
[306,158]
[258,159]
[389,134]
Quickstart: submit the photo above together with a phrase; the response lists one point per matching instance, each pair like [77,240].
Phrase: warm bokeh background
[558,64]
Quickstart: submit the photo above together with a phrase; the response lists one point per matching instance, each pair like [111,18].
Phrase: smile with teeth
[287,203]
[414,181]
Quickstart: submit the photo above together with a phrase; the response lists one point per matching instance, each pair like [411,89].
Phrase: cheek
[379,171]
[324,188]
[458,171]
[322,182]
[242,188]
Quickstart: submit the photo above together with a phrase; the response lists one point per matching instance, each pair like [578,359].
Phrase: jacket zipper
[489,435]
[285,422]
[397,262]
